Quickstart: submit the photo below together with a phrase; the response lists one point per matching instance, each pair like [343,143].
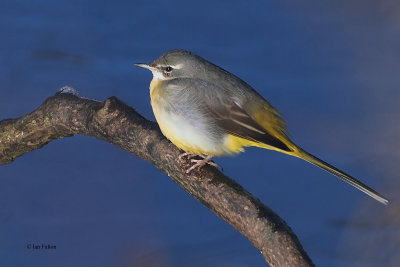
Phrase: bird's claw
[199,163]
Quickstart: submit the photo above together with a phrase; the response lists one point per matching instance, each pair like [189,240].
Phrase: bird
[207,111]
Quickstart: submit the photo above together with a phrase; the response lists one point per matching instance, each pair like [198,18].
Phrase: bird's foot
[200,163]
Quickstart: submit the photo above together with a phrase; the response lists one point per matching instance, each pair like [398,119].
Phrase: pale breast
[184,125]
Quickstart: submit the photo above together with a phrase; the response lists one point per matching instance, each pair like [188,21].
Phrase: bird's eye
[168,69]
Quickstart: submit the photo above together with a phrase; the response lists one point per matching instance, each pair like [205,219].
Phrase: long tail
[344,176]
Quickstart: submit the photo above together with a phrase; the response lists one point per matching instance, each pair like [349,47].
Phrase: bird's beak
[145,65]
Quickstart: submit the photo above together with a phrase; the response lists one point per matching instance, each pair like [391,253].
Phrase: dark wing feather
[236,121]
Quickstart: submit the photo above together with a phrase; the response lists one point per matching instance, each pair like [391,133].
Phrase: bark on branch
[66,114]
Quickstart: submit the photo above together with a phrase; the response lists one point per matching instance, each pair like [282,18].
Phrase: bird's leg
[199,163]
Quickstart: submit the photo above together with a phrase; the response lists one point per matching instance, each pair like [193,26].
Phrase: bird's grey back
[200,68]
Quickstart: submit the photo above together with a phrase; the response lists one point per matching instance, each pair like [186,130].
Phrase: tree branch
[66,114]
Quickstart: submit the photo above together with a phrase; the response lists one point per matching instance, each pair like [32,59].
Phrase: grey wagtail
[206,111]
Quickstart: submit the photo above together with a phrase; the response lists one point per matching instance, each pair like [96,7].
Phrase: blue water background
[331,67]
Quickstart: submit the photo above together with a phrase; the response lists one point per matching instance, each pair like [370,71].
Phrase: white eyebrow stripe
[178,66]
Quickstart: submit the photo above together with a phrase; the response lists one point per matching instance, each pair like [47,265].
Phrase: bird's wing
[236,120]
